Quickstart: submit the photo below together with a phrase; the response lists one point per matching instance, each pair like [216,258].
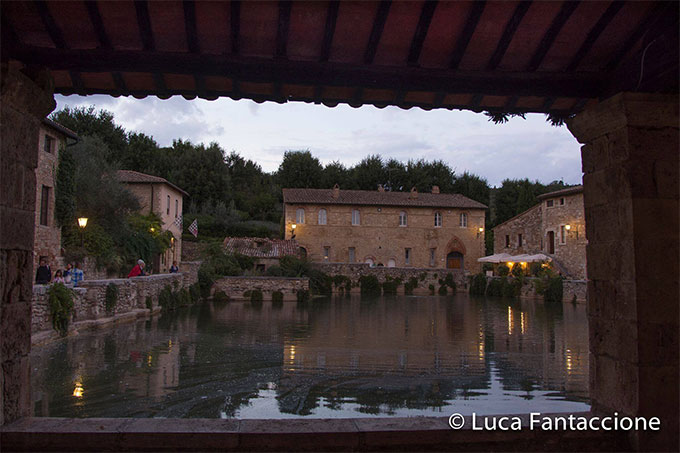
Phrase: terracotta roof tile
[567,191]
[261,247]
[376,198]
[135,177]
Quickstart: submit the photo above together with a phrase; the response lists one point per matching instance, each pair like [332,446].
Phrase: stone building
[392,229]
[53,137]
[159,196]
[555,227]
[267,252]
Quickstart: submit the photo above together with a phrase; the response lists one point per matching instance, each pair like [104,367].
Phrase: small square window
[549,203]
[561,201]
[48,144]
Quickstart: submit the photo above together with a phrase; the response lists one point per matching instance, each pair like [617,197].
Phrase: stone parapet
[89,298]
[234,287]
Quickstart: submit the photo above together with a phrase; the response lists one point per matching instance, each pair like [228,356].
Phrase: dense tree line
[232,195]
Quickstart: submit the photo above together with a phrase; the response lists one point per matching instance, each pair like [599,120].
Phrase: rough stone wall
[570,288]
[47,237]
[631,174]
[192,251]
[425,276]
[234,287]
[380,238]
[528,224]
[89,301]
[23,104]
[189,270]
[570,250]
[534,225]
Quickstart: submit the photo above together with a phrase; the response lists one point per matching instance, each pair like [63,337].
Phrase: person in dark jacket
[174,269]
[44,274]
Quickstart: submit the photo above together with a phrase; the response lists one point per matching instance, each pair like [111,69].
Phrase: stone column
[24,102]
[630,166]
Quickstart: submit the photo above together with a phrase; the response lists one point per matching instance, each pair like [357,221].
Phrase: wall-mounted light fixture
[571,230]
[480,231]
[292,231]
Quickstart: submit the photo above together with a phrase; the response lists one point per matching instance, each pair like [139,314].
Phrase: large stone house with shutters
[555,226]
[382,228]
[47,235]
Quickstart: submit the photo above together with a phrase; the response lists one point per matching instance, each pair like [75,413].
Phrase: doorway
[551,242]
[454,260]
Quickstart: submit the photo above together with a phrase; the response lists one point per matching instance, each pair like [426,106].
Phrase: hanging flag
[179,221]
[193,228]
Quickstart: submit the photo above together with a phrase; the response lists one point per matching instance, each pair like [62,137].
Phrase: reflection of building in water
[159,373]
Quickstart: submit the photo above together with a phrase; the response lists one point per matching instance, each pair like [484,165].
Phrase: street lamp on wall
[82,223]
[292,231]
[480,231]
[568,227]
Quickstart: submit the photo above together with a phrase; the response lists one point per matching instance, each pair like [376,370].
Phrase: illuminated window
[463,220]
[322,216]
[300,216]
[326,253]
[402,218]
[356,217]
[437,219]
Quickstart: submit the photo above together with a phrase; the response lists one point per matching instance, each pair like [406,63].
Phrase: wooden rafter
[508,34]
[420,34]
[476,11]
[329,30]
[376,31]
[282,29]
[98,24]
[190,26]
[594,33]
[235,25]
[568,7]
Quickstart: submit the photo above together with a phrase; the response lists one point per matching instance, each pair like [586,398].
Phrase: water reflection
[341,357]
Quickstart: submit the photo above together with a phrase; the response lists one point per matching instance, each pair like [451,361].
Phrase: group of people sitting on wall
[71,275]
[74,274]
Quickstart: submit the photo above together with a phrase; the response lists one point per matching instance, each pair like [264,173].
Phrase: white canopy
[506,257]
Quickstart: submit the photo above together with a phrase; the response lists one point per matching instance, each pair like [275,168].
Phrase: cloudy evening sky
[467,141]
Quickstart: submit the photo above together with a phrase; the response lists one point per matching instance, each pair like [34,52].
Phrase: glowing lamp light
[152,229]
[567,227]
[481,229]
[82,222]
[510,264]
[293,226]
[78,391]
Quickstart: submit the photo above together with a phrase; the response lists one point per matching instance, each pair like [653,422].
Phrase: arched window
[391,263]
[300,215]
[322,216]
[437,219]
[463,220]
[356,217]
[369,261]
[402,218]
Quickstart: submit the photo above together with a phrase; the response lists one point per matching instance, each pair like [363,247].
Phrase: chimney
[336,191]
[381,188]
[435,189]
[414,192]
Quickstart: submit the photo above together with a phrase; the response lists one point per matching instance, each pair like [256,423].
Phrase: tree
[336,173]
[299,169]
[473,187]
[369,173]
[65,192]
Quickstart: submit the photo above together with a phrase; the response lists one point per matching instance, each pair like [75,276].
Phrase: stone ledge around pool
[358,434]
[235,287]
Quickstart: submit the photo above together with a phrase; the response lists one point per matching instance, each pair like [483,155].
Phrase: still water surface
[339,357]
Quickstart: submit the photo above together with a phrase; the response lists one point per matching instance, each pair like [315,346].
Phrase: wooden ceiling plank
[511,104]
[282,29]
[235,30]
[376,31]
[119,81]
[190,27]
[568,7]
[508,33]
[595,33]
[422,28]
[329,30]
[98,24]
[470,26]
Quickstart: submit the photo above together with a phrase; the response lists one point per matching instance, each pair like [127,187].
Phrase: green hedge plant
[60,301]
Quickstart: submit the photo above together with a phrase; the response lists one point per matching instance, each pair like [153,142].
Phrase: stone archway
[455,254]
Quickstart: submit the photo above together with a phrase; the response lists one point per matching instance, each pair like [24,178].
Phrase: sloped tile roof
[376,198]
[557,193]
[135,177]
[261,247]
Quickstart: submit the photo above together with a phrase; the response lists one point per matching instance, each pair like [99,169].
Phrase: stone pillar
[24,101]
[630,166]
